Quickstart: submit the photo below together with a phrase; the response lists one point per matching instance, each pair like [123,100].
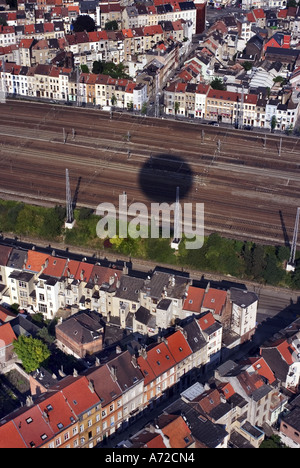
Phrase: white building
[244,311]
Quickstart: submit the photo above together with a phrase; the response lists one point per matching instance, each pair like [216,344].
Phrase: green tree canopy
[32,352]
[111,25]
[217,83]
[84,23]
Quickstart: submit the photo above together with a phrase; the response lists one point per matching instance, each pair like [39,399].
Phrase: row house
[61,418]
[178,357]
[45,81]
[7,36]
[230,107]
[140,15]
[45,283]
[282,355]
[107,12]
[285,114]
[256,389]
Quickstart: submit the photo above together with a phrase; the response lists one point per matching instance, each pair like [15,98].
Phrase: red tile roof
[5,252]
[33,427]
[259,13]
[35,261]
[206,320]
[214,299]
[146,370]
[84,272]
[5,315]
[71,268]
[176,430]
[10,436]
[178,346]
[56,267]
[78,394]
[227,389]
[209,400]
[160,359]
[193,300]
[7,335]
[286,350]
[56,410]
[262,368]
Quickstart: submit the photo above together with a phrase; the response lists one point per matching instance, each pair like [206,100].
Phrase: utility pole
[3,85]
[177,230]
[78,86]
[291,263]
[280,146]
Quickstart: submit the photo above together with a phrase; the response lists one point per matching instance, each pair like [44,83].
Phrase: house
[144,322]
[252,387]
[282,355]
[227,107]
[106,386]
[7,337]
[57,418]
[182,354]
[131,382]
[80,334]
[206,433]
[244,311]
[193,301]
[5,252]
[126,298]
[290,428]
[212,332]
[173,430]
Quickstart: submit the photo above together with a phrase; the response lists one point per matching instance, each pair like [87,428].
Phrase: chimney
[134,361]
[91,386]
[113,373]
[125,269]
[29,401]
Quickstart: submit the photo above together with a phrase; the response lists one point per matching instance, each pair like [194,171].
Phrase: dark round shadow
[162,174]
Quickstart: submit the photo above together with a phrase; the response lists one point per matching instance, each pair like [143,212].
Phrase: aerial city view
[149,218]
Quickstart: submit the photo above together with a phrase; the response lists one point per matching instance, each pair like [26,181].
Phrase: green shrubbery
[241,259]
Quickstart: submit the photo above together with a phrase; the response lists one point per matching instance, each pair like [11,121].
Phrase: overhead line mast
[291,263]
[69,224]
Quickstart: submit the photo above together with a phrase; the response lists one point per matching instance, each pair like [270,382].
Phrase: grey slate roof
[204,430]
[83,327]
[129,288]
[242,297]
[17,259]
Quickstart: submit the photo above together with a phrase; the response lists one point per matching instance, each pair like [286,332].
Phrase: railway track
[243,185]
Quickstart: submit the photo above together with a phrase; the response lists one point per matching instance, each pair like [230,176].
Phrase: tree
[32,352]
[111,26]
[247,65]
[176,107]
[274,441]
[273,123]
[84,23]
[217,83]
[144,108]
[113,100]
[84,68]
